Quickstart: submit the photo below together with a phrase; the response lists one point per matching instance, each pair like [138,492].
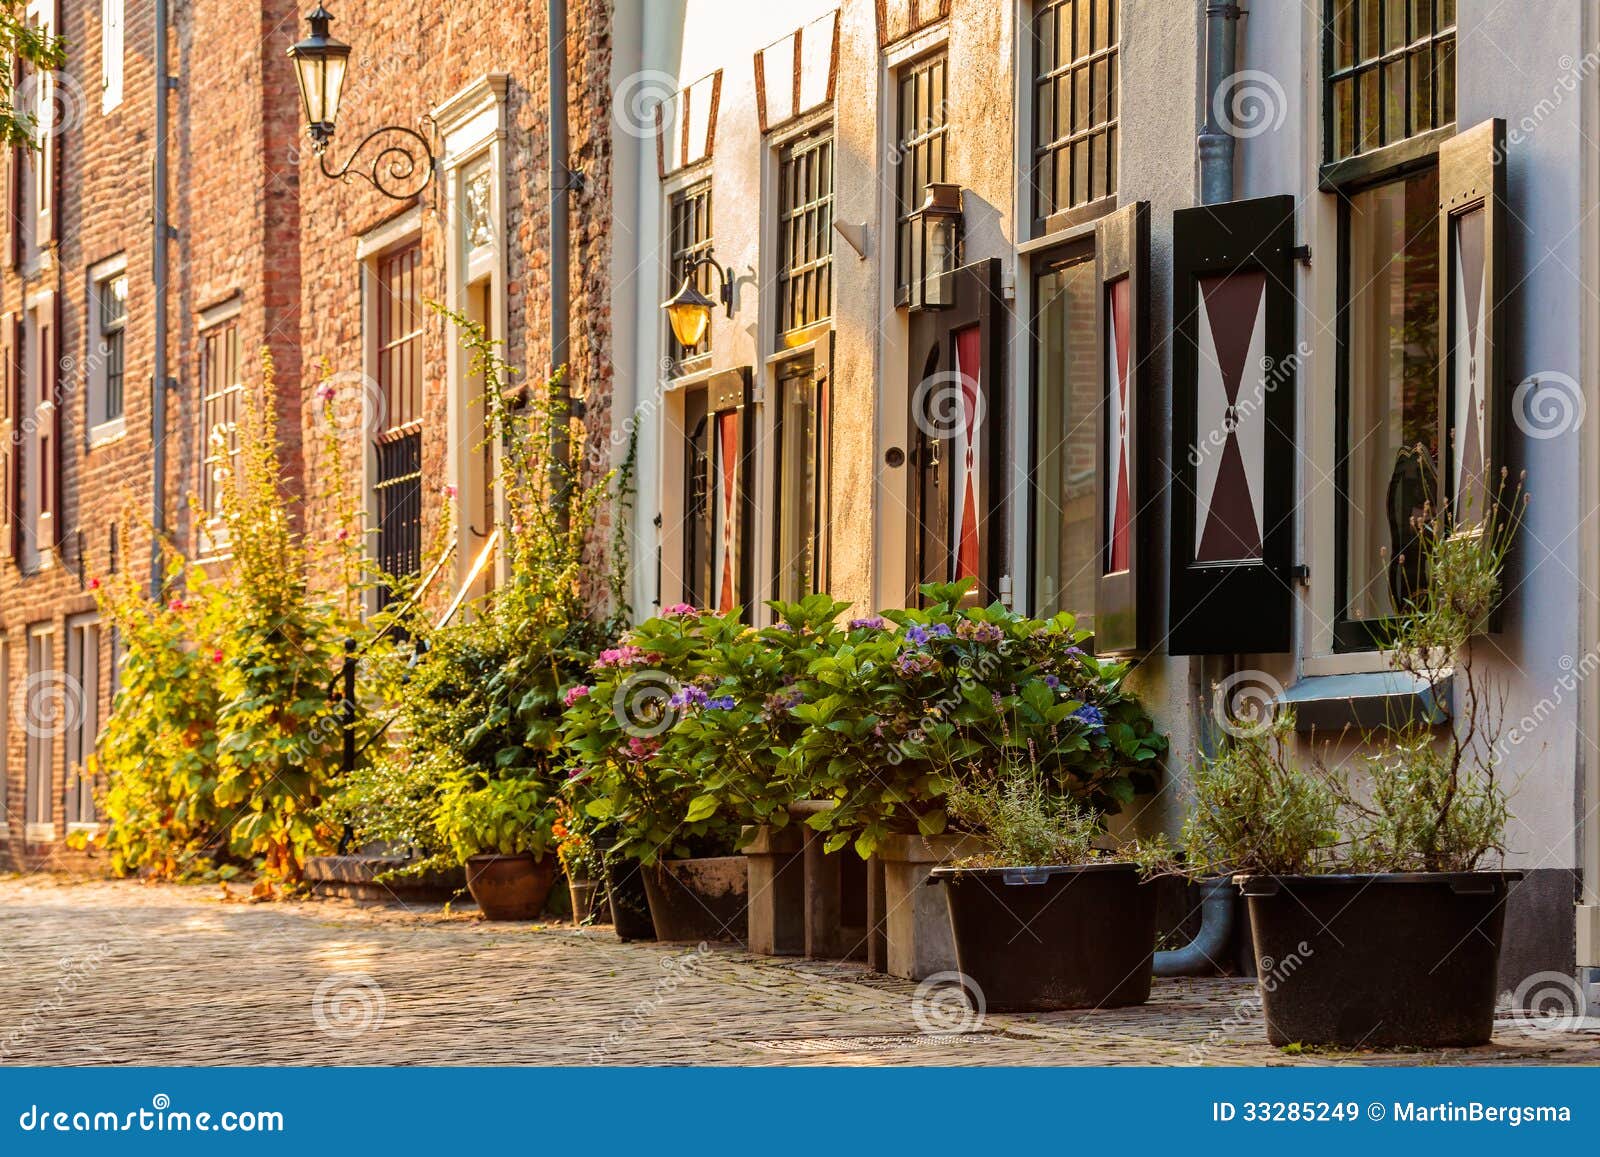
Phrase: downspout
[160,235]
[1216,142]
[1201,956]
[561,183]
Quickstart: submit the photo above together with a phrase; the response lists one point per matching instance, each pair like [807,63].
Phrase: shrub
[476,765]
[1417,798]
[912,703]
[223,738]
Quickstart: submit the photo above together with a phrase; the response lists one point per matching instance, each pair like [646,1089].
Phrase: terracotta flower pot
[511,887]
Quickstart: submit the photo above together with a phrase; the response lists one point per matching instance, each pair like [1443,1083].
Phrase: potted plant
[614,729]
[733,754]
[583,865]
[1376,898]
[913,700]
[502,832]
[1045,917]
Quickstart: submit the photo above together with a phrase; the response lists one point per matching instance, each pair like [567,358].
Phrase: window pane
[1344,33]
[1066,356]
[798,475]
[1391,385]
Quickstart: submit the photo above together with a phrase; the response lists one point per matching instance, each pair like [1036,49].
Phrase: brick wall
[262,234]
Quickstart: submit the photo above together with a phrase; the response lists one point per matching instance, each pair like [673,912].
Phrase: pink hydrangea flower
[679,610]
[574,694]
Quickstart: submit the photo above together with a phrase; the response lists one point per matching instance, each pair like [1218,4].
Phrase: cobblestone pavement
[97,972]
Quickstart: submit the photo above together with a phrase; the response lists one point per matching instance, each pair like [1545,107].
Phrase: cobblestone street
[100,973]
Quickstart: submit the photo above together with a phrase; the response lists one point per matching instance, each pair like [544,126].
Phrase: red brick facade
[264,242]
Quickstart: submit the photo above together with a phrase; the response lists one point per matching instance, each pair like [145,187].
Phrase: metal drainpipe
[1215,146]
[560,187]
[1216,142]
[158,275]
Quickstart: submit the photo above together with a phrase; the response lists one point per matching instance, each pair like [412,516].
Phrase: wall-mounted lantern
[320,63]
[689,310]
[935,247]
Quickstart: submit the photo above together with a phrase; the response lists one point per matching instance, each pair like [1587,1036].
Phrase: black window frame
[805,227]
[1078,251]
[1343,177]
[1372,165]
[691,234]
[920,141]
[1106,132]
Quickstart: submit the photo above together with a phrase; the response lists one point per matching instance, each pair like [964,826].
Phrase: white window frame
[82,733]
[39,744]
[111,54]
[104,428]
[475,128]
[41,13]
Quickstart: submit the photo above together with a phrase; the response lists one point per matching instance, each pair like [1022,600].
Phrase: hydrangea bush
[914,702]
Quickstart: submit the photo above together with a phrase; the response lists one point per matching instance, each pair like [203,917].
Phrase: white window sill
[39,833]
[1351,663]
[108,432]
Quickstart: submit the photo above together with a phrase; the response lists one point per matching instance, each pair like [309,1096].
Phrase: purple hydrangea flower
[688,696]
[1089,715]
[1052,682]
[720,703]
[870,623]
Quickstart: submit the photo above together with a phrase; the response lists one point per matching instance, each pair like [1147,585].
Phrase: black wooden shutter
[732,462]
[1472,280]
[1122,452]
[1232,474]
[822,371]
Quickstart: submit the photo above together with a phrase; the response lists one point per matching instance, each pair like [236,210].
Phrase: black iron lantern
[689,310]
[320,63]
[936,247]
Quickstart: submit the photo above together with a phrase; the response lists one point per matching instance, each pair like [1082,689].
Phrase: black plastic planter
[704,898]
[630,907]
[1034,939]
[1378,961]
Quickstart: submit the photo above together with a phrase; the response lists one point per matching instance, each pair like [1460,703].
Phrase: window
[690,213]
[805,232]
[110,54]
[801,439]
[44,109]
[1389,388]
[1391,73]
[919,152]
[696,575]
[220,395]
[38,809]
[716,526]
[47,427]
[398,484]
[106,367]
[81,715]
[1075,107]
[1066,397]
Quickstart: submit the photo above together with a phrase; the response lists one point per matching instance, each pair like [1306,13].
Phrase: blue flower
[690,696]
[720,703]
[1089,715]
[1052,682]
[917,633]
